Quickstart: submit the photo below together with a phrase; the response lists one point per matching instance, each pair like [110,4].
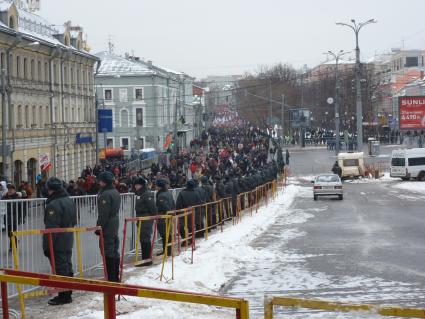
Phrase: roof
[112,64]
[36,28]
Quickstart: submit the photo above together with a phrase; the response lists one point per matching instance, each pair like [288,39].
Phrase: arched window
[12,22]
[2,61]
[27,117]
[124,118]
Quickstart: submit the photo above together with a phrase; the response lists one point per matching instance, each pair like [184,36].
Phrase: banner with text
[412,112]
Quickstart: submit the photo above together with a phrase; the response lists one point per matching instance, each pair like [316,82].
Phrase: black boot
[62,298]
[146,255]
[117,269]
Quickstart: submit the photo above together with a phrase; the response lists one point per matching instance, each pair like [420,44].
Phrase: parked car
[327,185]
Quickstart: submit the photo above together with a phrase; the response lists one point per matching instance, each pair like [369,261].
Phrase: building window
[27,116]
[32,75]
[124,118]
[12,22]
[411,62]
[110,142]
[55,70]
[34,116]
[46,72]
[18,66]
[139,117]
[138,94]
[38,71]
[123,95]
[19,124]
[107,94]
[25,69]
[125,143]
[47,115]
[65,75]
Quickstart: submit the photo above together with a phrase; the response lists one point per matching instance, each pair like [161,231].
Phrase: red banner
[412,112]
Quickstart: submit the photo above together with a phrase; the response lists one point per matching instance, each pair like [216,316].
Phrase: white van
[408,163]
[352,164]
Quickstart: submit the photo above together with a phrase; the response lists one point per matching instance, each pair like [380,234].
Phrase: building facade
[48,97]
[146,102]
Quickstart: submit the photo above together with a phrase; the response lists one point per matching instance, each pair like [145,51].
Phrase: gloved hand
[46,253]
[97,232]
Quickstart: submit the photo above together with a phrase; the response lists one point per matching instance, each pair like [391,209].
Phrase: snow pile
[215,262]
[386,178]
[418,187]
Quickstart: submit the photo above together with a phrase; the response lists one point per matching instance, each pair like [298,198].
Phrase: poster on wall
[45,163]
[412,112]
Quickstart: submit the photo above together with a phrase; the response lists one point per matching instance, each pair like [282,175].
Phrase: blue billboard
[104,121]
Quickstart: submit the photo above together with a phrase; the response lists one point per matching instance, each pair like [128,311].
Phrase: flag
[167,141]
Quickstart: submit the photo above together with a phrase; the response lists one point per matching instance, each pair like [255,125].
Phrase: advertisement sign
[104,120]
[412,112]
[300,118]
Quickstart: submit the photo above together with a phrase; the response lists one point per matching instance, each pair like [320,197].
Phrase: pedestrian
[287,156]
[164,203]
[336,169]
[109,202]
[60,212]
[15,211]
[145,206]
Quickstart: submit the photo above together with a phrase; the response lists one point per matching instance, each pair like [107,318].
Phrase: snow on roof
[113,64]
[4,6]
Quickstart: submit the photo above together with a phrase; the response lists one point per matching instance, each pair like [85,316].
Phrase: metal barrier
[110,290]
[49,233]
[140,165]
[271,301]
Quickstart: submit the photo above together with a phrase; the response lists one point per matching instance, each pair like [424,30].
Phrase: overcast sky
[219,37]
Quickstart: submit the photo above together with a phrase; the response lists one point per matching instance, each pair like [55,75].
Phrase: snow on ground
[386,178]
[215,262]
[418,187]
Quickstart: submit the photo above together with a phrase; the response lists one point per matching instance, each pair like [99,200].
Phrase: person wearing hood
[145,206]
[60,212]
[108,204]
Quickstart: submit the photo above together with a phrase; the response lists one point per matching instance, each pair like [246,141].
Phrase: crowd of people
[225,162]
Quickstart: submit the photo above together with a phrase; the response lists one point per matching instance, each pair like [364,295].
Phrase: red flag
[167,141]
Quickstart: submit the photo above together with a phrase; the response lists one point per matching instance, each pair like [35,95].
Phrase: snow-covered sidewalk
[216,261]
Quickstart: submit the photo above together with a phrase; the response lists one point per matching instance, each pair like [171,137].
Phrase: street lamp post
[337,57]
[356,27]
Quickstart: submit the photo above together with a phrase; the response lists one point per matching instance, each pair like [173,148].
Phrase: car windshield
[327,179]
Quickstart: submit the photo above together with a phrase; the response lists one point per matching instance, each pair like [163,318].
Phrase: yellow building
[48,97]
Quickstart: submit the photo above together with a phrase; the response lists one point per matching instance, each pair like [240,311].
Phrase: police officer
[164,203]
[60,213]
[189,197]
[209,193]
[145,206]
[109,202]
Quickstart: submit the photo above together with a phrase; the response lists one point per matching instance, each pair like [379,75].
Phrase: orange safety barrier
[49,233]
[110,290]
[169,228]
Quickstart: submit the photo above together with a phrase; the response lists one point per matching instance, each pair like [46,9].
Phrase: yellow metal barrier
[271,301]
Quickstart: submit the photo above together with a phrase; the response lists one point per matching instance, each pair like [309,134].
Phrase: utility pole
[3,123]
[283,116]
[356,27]
[271,104]
[302,128]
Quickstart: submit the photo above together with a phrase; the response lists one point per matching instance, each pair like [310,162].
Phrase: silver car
[327,185]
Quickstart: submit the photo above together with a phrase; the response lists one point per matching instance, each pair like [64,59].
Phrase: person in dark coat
[189,197]
[145,206]
[164,203]
[15,211]
[109,203]
[209,192]
[287,156]
[60,212]
[336,169]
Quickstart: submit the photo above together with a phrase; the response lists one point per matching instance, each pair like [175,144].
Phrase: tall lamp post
[356,27]
[337,57]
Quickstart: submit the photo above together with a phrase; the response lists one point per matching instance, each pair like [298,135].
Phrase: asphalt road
[367,248]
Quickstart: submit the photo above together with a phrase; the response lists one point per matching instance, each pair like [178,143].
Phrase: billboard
[104,124]
[411,112]
[300,118]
